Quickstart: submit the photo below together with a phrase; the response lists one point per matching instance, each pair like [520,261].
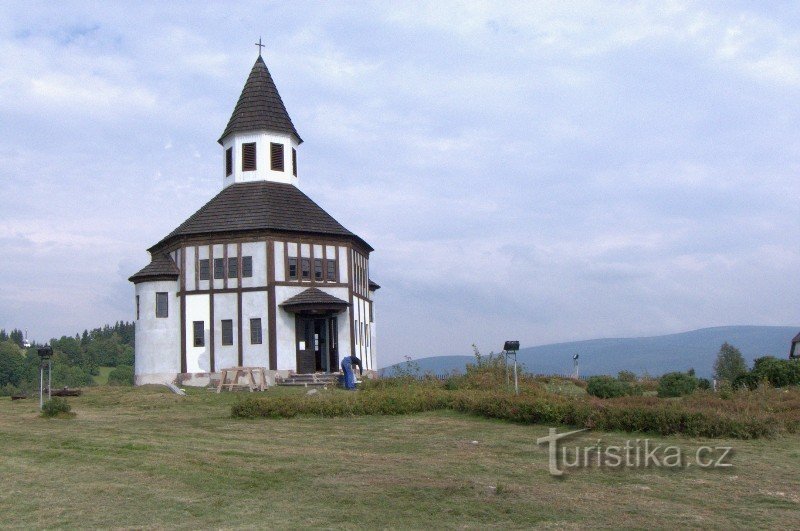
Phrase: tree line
[76,360]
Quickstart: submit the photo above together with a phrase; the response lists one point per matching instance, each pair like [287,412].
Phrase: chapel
[261,275]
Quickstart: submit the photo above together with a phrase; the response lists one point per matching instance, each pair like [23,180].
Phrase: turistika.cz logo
[635,453]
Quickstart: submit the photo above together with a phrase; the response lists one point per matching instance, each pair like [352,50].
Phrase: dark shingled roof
[314,296]
[161,267]
[260,106]
[261,205]
[373,286]
[796,339]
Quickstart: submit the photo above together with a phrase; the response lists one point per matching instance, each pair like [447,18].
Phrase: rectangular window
[318,269]
[371,314]
[255,331]
[228,161]
[249,156]
[306,264]
[276,156]
[227,332]
[233,267]
[219,268]
[294,162]
[332,270]
[204,269]
[292,268]
[247,266]
[137,307]
[162,304]
[199,333]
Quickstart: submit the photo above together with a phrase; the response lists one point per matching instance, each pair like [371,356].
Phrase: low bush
[776,372]
[610,387]
[121,375]
[675,384]
[57,407]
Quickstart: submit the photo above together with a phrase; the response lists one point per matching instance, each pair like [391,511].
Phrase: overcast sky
[535,171]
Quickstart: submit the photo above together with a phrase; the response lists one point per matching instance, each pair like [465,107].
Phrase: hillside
[652,355]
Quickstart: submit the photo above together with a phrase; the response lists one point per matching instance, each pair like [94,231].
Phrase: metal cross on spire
[260,46]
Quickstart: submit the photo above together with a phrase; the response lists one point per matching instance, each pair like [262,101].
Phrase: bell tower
[260,142]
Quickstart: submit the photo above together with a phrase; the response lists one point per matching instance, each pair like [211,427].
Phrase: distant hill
[652,355]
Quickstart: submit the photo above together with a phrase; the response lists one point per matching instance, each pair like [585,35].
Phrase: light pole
[511,348]
[45,353]
[575,364]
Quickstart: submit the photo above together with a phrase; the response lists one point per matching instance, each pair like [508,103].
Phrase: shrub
[121,375]
[57,407]
[626,376]
[779,373]
[609,387]
[704,384]
[676,384]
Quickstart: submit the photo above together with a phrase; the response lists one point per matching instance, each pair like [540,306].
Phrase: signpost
[511,348]
[45,353]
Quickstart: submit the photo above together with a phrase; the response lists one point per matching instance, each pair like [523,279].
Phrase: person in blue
[349,375]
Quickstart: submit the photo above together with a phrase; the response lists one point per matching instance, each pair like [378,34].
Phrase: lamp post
[575,364]
[511,348]
[45,353]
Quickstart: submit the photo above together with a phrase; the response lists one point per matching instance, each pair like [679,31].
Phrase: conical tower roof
[260,106]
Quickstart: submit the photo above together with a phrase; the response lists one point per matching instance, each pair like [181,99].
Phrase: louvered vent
[228,161]
[249,156]
[294,162]
[276,156]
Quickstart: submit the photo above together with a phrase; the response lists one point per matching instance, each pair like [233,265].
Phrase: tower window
[318,269]
[247,266]
[332,270]
[204,269]
[249,156]
[199,333]
[255,331]
[276,156]
[233,267]
[306,263]
[162,304]
[294,162]
[227,332]
[228,161]
[292,268]
[137,307]
[219,268]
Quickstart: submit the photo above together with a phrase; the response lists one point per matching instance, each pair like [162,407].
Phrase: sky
[540,171]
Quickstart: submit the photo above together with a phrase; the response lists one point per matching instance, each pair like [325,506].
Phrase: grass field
[146,458]
[102,378]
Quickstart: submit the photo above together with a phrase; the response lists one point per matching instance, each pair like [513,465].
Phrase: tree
[730,363]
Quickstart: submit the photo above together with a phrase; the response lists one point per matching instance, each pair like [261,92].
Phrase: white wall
[258,250]
[254,306]
[198,359]
[158,340]
[263,162]
[225,307]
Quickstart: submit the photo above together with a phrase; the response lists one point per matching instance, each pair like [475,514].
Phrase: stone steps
[310,380]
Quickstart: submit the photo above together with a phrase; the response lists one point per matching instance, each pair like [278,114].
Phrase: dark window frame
[199,333]
[305,268]
[228,161]
[255,328]
[227,332]
[219,268]
[276,157]
[292,265]
[137,307]
[204,269]
[249,157]
[247,266]
[294,162]
[233,267]
[162,304]
[319,272]
[331,271]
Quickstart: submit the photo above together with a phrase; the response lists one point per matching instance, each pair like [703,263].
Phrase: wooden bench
[236,373]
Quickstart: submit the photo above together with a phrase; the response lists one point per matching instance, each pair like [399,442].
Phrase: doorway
[317,344]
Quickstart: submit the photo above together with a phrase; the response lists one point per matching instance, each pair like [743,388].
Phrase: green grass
[102,378]
[145,458]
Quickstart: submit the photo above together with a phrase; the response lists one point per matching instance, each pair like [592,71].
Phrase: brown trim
[225,265]
[272,310]
[312,266]
[183,310]
[261,235]
[350,297]
[211,308]
[239,300]
[197,267]
[231,290]
[285,261]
